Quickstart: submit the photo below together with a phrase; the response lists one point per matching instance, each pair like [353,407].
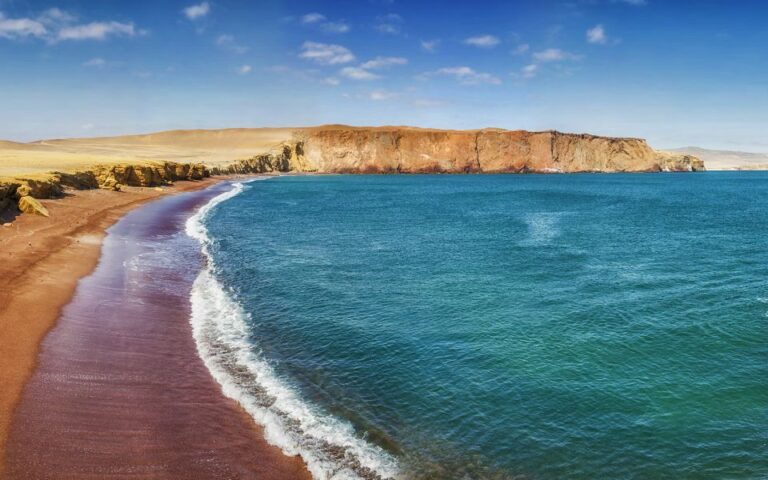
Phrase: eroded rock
[31,205]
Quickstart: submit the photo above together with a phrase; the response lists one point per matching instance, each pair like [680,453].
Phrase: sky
[677,73]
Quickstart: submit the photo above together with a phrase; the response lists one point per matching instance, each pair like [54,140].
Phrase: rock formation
[343,149]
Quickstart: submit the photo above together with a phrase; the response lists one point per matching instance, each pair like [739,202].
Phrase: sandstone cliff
[326,149]
[343,149]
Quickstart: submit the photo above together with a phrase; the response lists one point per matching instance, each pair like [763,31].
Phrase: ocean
[495,326]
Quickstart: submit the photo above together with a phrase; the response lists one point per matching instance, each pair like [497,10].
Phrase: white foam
[542,227]
[219,325]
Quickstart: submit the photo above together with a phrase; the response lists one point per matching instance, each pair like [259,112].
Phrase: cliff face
[342,149]
[409,150]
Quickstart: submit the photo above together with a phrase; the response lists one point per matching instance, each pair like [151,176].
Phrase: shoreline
[45,261]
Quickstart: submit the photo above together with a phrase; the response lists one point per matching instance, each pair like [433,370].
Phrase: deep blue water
[526,326]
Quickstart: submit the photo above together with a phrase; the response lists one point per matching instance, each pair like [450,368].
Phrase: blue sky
[676,73]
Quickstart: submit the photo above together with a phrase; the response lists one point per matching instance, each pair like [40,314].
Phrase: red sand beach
[119,390]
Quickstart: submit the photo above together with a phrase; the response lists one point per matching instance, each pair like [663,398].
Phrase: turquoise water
[520,326]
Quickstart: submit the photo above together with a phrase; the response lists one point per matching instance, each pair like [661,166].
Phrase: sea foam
[330,447]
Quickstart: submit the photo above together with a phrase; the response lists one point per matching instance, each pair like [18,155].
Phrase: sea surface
[483,326]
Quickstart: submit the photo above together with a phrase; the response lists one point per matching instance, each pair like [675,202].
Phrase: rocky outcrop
[29,204]
[22,191]
[7,194]
[339,149]
[679,162]
[286,157]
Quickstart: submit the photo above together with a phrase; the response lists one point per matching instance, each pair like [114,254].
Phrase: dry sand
[212,147]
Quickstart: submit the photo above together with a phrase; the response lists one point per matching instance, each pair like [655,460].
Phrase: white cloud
[55,25]
[383,62]
[332,81]
[313,17]
[244,69]
[56,16]
[335,27]
[596,34]
[14,28]
[228,42]
[391,24]
[357,73]
[554,55]
[95,63]
[326,54]
[320,20]
[529,71]
[482,41]
[380,95]
[388,28]
[429,45]
[521,49]
[467,76]
[97,31]
[636,3]
[194,12]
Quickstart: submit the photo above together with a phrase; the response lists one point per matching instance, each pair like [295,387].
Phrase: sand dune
[212,147]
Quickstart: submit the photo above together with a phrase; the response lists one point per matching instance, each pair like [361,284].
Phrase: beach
[46,428]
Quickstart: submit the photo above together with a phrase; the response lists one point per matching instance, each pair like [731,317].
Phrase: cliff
[114,162]
[341,149]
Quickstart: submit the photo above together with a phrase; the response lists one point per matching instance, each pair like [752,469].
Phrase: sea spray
[330,447]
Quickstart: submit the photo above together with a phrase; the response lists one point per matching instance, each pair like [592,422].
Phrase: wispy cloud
[326,54]
[429,45]
[468,76]
[381,95]
[97,31]
[244,69]
[54,25]
[321,21]
[56,15]
[95,63]
[555,55]
[529,71]
[335,27]
[390,24]
[637,3]
[195,12]
[482,41]
[357,73]
[521,49]
[313,17]
[15,28]
[229,43]
[597,35]
[384,62]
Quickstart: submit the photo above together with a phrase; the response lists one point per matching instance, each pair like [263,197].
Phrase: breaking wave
[329,446]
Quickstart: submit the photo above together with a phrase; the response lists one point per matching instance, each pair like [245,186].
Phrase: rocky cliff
[343,149]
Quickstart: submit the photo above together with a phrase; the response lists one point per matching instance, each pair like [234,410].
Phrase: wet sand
[119,390]
[41,261]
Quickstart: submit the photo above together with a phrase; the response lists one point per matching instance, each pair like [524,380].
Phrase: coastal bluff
[44,169]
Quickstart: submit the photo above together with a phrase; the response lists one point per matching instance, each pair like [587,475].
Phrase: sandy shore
[42,262]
